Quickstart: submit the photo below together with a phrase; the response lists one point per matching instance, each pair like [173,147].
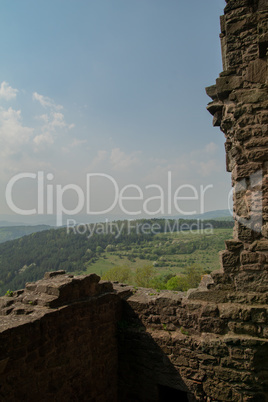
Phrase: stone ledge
[57,289]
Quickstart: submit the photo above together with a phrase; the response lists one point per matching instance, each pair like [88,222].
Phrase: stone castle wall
[58,341]
[67,338]
[240,108]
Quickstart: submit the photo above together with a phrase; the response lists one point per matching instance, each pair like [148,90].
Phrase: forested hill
[28,258]
[15,232]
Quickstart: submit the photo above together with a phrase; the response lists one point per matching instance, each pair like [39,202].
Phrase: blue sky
[110,86]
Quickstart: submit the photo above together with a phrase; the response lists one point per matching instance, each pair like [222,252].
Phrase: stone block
[259,315]
[257,71]
[252,95]
[251,281]
[262,5]
[233,245]
[229,311]
[259,154]
[214,107]
[214,325]
[234,4]
[243,328]
[264,230]
[260,245]
[257,142]
[229,261]
[225,85]
[244,233]
[243,171]
[222,22]
[238,26]
[212,92]
[210,310]
[247,257]
[52,274]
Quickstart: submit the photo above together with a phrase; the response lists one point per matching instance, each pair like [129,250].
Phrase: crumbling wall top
[57,289]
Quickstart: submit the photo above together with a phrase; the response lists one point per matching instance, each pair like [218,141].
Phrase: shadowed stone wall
[58,341]
[70,339]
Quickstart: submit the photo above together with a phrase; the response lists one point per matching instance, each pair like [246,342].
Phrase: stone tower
[240,107]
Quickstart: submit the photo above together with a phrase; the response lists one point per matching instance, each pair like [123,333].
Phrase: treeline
[15,232]
[147,277]
[179,225]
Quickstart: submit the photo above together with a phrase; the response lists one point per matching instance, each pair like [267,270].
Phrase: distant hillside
[221,214]
[51,220]
[27,259]
[15,232]
[8,223]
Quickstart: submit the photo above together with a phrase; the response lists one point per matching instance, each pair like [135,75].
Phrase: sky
[114,88]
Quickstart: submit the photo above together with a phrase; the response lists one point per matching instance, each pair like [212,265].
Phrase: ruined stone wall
[209,348]
[65,338]
[71,339]
[58,341]
[213,344]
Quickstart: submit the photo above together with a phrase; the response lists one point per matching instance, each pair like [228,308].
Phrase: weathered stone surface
[227,84]
[244,171]
[230,261]
[214,107]
[51,274]
[212,91]
[247,257]
[233,245]
[257,71]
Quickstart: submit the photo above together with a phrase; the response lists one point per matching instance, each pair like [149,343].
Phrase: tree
[144,276]
[99,249]
[160,281]
[178,283]
[118,274]
[193,275]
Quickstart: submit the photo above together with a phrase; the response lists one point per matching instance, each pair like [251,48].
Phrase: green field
[167,252]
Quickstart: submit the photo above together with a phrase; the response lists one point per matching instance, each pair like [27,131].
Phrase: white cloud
[202,153]
[46,102]
[120,160]
[12,133]
[115,159]
[43,139]
[57,121]
[211,148]
[209,167]
[76,142]
[7,92]
[98,161]
[44,117]
[53,121]
[158,172]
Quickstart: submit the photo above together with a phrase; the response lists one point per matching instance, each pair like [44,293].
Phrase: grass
[167,261]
